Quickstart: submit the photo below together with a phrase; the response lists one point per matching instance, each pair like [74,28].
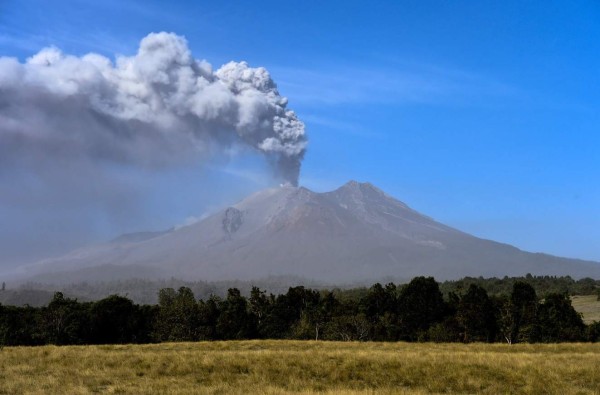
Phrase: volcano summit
[354,233]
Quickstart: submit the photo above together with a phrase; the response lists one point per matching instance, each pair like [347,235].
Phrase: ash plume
[157,108]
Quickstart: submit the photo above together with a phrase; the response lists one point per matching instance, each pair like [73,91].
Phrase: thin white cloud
[407,84]
[30,43]
[337,125]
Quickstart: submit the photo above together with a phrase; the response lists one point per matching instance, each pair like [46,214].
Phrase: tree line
[417,311]
[145,291]
[543,285]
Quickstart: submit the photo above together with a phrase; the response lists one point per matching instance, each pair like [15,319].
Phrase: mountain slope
[355,233]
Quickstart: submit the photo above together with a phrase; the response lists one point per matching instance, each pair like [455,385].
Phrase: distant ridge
[354,233]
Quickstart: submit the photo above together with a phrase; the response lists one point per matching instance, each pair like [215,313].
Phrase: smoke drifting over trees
[153,109]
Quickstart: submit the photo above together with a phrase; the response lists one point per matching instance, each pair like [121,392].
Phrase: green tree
[593,332]
[519,314]
[421,305]
[21,326]
[114,320]
[260,306]
[475,315]
[558,320]
[178,315]
[380,307]
[235,321]
[350,327]
[65,321]
[315,316]
[279,318]
[291,315]
[208,316]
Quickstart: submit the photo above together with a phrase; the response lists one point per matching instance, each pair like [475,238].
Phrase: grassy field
[275,367]
[588,306]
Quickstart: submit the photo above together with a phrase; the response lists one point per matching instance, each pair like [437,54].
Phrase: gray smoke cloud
[157,108]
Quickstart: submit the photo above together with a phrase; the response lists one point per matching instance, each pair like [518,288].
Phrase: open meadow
[274,367]
[588,306]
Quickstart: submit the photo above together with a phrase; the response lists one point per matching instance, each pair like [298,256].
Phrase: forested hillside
[145,291]
[417,311]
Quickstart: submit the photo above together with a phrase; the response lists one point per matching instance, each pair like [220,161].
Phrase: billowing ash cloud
[153,109]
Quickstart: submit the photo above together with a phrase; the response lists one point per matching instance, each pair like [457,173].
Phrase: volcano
[356,233]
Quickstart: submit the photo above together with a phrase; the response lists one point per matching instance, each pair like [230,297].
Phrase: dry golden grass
[275,367]
[588,306]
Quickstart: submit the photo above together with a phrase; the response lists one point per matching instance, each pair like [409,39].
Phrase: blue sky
[482,114]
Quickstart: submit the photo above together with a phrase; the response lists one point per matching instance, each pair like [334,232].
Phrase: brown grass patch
[306,367]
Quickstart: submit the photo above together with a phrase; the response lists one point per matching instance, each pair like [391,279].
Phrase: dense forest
[417,311]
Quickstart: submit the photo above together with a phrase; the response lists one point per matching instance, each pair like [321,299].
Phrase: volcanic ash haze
[157,108]
[355,233]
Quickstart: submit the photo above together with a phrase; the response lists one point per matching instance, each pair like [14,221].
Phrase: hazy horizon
[481,117]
